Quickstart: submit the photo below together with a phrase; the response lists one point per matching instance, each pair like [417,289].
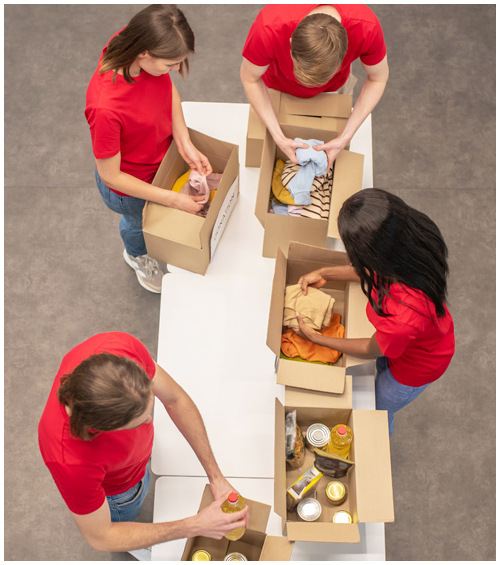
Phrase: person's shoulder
[360,12]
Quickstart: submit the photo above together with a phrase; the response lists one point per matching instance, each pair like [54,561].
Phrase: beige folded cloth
[316,308]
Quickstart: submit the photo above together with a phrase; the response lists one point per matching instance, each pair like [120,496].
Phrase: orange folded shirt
[293,345]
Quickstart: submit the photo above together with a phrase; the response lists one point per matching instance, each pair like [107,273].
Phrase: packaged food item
[336,492]
[330,464]
[235,556]
[309,509]
[201,555]
[317,435]
[234,503]
[303,485]
[294,441]
[340,441]
[342,517]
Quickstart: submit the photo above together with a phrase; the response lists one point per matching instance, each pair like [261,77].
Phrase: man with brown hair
[96,437]
[304,50]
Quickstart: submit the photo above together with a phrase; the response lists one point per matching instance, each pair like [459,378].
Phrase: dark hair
[160,29]
[105,392]
[387,242]
[318,47]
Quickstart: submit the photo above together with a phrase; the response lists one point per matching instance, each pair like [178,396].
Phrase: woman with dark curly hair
[400,257]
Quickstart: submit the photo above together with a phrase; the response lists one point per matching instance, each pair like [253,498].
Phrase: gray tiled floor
[434,145]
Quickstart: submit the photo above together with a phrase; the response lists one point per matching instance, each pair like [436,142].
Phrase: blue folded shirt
[312,164]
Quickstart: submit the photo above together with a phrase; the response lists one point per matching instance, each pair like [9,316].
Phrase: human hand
[288,146]
[195,159]
[332,149]
[188,203]
[221,487]
[313,279]
[212,522]
[304,331]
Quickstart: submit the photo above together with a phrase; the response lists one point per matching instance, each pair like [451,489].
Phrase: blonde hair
[319,45]
[161,30]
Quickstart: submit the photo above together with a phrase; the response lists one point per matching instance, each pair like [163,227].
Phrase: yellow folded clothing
[180,182]
[281,193]
[316,308]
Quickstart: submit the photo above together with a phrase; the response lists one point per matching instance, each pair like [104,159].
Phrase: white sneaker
[141,554]
[147,270]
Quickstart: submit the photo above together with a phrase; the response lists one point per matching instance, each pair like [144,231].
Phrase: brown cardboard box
[182,239]
[368,483]
[326,111]
[350,303]
[255,545]
[279,230]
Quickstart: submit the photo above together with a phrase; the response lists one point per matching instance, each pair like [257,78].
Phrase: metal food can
[317,435]
[201,555]
[235,556]
[309,509]
[335,492]
[342,517]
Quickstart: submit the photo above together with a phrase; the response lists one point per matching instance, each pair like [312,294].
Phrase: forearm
[132,186]
[127,536]
[258,96]
[369,97]
[188,420]
[339,273]
[360,347]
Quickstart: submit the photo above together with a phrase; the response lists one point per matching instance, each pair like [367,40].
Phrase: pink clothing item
[295,210]
[201,185]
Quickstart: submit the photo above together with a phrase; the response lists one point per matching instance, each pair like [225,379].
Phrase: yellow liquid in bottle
[340,444]
[230,508]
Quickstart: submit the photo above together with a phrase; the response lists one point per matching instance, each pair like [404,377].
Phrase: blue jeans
[131,223]
[391,395]
[125,507]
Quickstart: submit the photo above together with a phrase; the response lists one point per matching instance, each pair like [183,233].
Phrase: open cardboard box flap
[316,399]
[347,180]
[316,531]
[279,461]
[374,495]
[324,104]
[276,549]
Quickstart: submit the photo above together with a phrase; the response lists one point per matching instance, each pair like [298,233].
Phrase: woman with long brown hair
[134,111]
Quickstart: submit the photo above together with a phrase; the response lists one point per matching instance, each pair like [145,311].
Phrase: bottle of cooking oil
[234,503]
[340,441]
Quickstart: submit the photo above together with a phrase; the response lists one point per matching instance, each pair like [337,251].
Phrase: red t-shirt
[268,43]
[418,345]
[112,462]
[134,119]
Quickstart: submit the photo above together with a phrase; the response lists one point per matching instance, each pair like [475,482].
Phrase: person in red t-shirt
[305,49]
[400,257]
[134,110]
[96,436]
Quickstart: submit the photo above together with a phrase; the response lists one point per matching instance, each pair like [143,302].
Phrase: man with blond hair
[304,50]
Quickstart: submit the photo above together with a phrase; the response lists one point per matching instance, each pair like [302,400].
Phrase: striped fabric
[321,192]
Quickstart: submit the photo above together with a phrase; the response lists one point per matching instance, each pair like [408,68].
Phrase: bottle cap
[233,497]
[341,430]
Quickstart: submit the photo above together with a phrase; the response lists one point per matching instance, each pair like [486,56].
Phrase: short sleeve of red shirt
[258,47]
[105,130]
[88,481]
[375,48]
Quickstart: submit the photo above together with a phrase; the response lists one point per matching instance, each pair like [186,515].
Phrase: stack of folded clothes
[316,309]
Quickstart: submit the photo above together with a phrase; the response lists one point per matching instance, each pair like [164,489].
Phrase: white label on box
[224,213]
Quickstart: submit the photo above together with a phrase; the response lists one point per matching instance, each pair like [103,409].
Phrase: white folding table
[212,340]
